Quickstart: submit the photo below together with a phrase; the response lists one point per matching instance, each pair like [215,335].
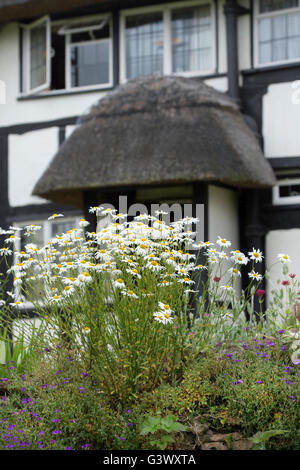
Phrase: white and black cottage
[189,101]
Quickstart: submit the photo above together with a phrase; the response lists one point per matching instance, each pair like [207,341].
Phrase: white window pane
[38,55]
[293,25]
[294,48]
[265,53]
[90,64]
[144,45]
[265,30]
[279,27]
[279,51]
[279,38]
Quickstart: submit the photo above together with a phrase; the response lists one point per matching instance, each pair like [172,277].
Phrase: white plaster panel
[29,156]
[281,120]
[282,241]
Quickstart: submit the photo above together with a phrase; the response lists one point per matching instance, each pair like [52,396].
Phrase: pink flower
[260,292]
[292,276]
[285,283]
[217,279]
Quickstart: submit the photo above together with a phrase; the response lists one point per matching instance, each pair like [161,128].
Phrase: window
[176,39]
[278,30]
[144,45]
[67,55]
[191,39]
[37,40]
[48,231]
[287,191]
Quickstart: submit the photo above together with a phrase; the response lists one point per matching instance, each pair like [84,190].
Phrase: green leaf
[260,438]
[150,425]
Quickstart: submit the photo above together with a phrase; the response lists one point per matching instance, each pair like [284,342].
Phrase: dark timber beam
[232,10]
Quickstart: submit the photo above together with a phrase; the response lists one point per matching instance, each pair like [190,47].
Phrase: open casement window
[37,61]
[277,31]
[88,54]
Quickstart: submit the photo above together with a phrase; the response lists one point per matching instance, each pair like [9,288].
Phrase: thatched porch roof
[152,131]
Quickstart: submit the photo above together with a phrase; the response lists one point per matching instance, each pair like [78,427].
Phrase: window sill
[55,93]
[271,67]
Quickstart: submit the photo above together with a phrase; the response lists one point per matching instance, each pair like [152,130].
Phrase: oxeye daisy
[165,307]
[227,288]
[284,258]
[163,317]
[54,216]
[130,293]
[223,242]
[119,283]
[256,276]
[83,223]
[256,255]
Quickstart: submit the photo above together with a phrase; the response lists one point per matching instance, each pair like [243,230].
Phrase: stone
[242,444]
[213,446]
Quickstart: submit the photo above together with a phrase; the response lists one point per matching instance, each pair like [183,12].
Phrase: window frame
[166,10]
[285,200]
[69,44]
[256,18]
[67,34]
[27,56]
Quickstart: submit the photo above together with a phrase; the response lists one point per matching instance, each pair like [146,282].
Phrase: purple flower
[85,445]
[259,382]
[41,433]
[280,332]
[68,448]
[289,382]
[283,348]
[287,369]
[238,382]
[122,438]
[57,431]
[128,412]
[130,424]
[45,386]
[292,397]
[57,420]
